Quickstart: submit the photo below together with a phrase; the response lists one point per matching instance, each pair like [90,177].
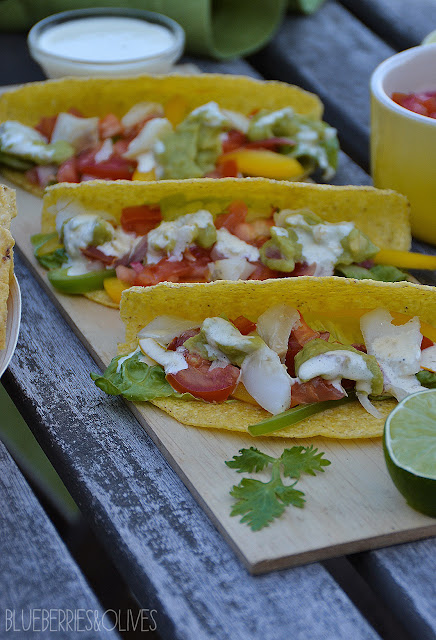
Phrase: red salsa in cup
[423,102]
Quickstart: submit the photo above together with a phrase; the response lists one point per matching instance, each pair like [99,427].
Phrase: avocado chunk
[18,140]
[318,347]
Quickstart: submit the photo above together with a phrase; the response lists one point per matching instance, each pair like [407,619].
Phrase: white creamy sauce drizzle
[121,243]
[106,39]
[172,238]
[171,361]
[335,365]
[230,246]
[211,114]
[397,350]
[321,243]
[272,118]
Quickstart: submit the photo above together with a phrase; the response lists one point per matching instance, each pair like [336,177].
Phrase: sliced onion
[267,380]
[367,404]
[275,325]
[140,111]
[164,329]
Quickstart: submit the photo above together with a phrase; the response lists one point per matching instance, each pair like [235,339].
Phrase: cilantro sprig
[259,503]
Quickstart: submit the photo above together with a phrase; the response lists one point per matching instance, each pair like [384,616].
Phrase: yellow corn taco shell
[332,304]
[100,96]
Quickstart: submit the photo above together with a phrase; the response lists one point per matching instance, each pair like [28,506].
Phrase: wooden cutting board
[352,507]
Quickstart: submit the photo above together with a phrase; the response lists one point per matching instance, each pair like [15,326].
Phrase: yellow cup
[403,143]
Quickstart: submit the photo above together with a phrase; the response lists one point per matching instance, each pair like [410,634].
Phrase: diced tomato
[303,269]
[300,335]
[244,325]
[225,169]
[68,171]
[212,385]
[236,214]
[180,340]
[114,168]
[95,254]
[140,219]
[125,274]
[359,347]
[46,126]
[423,102]
[42,175]
[315,390]
[426,342]
[32,176]
[189,269]
[233,140]
[109,126]
[262,272]
[120,146]
[76,112]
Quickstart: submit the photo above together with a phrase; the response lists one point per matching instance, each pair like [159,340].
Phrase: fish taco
[168,127]
[293,357]
[100,238]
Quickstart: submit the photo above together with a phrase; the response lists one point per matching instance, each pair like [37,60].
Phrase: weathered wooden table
[163,544]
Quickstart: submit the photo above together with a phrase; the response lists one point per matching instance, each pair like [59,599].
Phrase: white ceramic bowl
[403,143]
[57,65]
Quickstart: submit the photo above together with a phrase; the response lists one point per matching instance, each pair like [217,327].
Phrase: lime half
[409,444]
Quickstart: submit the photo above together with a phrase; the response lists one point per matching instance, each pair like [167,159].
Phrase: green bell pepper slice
[90,281]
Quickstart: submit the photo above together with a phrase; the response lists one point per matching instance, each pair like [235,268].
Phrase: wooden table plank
[36,569]
[401,23]
[404,577]
[332,54]
[162,542]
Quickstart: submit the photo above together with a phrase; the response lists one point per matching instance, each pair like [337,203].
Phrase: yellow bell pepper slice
[264,163]
[114,288]
[148,176]
[405,259]
[241,393]
[175,110]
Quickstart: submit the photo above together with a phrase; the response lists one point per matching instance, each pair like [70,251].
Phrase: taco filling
[276,363]
[150,143]
[89,252]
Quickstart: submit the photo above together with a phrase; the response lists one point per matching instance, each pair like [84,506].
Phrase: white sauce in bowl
[106,39]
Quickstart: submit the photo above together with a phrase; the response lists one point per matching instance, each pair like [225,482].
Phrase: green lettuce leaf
[135,381]
[381,272]
[51,260]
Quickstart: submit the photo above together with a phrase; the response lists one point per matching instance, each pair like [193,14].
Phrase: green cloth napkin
[219,28]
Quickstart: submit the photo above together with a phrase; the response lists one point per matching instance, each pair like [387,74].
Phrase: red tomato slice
[233,140]
[244,325]
[262,272]
[114,168]
[212,385]
[303,269]
[315,390]
[298,338]
[68,171]
[141,218]
[109,126]
[186,270]
[236,214]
